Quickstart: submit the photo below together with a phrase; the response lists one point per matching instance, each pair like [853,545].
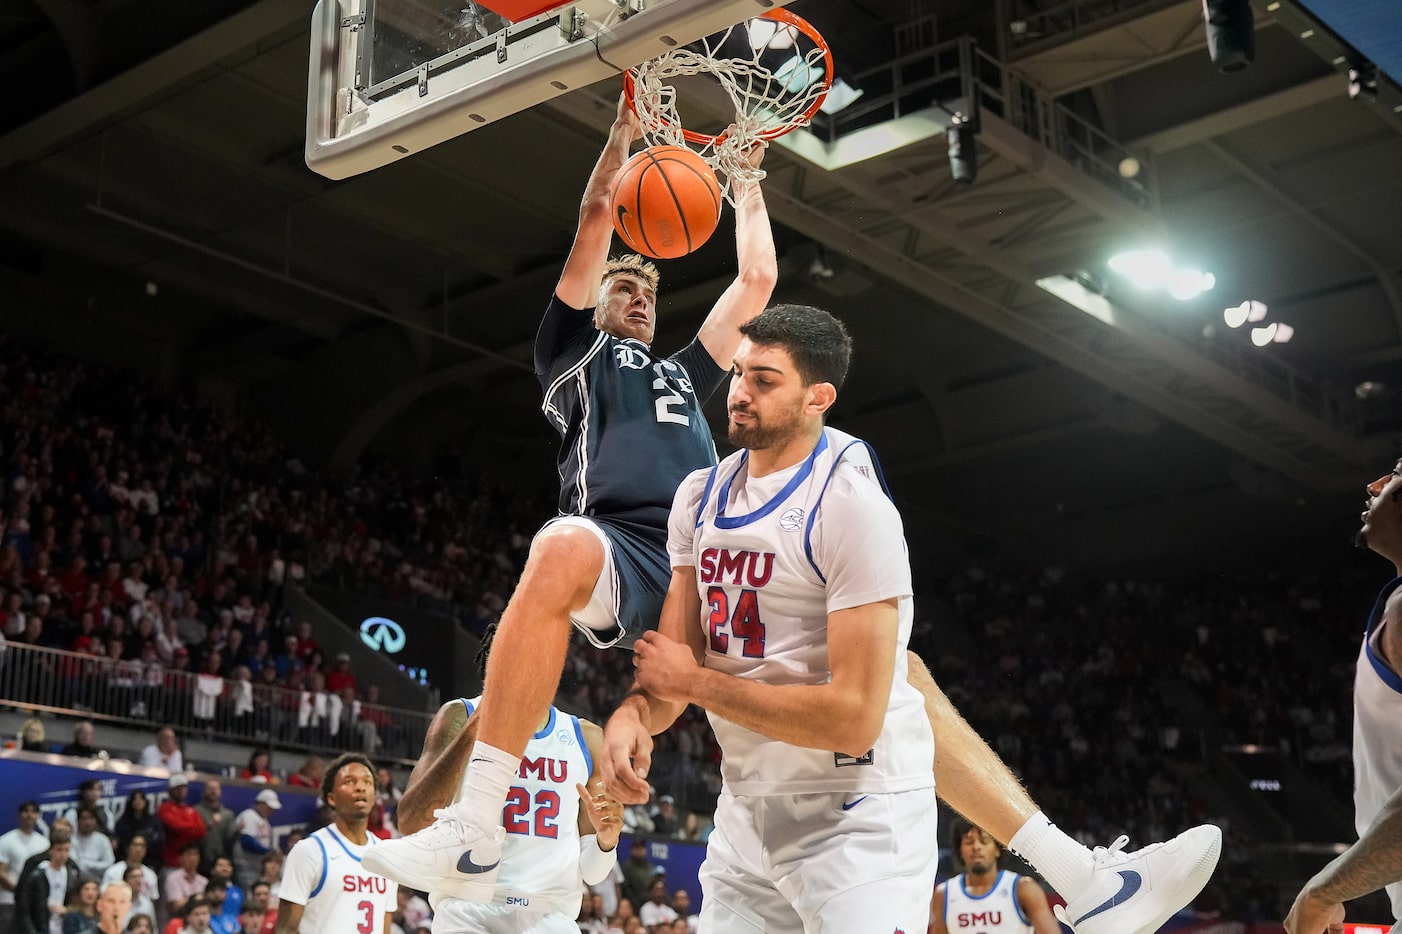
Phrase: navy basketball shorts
[627,598]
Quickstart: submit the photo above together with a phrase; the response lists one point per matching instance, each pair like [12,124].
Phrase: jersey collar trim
[734,522]
[549,726]
[331,830]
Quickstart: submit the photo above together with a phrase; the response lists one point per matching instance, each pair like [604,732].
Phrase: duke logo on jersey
[630,357]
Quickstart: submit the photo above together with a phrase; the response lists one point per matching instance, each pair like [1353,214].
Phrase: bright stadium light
[1187,284]
[767,34]
[840,96]
[1246,312]
[1145,269]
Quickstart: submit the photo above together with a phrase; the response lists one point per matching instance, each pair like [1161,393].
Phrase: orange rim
[787,18]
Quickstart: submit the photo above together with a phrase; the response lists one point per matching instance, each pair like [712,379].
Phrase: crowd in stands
[154,535]
[189,866]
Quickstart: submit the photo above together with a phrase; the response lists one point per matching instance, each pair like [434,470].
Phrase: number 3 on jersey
[744,623]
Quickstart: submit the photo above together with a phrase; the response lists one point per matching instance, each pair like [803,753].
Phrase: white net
[774,73]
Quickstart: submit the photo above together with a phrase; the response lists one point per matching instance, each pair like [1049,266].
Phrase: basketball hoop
[776,71]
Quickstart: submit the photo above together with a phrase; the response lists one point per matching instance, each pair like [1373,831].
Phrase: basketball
[666,202]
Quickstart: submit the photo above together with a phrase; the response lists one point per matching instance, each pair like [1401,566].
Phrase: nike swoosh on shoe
[465,864]
[1130,883]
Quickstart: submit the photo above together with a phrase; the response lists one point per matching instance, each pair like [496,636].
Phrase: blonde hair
[633,265]
[37,724]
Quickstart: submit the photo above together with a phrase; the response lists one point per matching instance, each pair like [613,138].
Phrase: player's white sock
[489,774]
[1063,861]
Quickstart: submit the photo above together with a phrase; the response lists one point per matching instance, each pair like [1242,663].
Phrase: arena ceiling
[155,211]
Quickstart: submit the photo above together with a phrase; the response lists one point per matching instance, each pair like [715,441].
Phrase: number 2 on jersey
[669,398]
[744,623]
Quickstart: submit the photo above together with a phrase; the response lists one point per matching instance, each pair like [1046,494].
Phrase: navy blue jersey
[630,422]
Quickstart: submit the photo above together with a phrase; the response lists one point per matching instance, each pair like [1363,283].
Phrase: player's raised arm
[758,271]
[579,281]
[438,773]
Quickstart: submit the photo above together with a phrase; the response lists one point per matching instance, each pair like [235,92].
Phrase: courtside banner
[53,781]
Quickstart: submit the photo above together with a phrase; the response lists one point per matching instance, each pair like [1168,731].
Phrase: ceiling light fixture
[1246,312]
[1187,284]
[1145,269]
[840,96]
[1273,333]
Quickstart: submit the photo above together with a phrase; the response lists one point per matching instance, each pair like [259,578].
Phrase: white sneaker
[1135,893]
[448,857]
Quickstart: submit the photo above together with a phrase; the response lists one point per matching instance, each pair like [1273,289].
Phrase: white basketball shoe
[1135,893]
[448,857]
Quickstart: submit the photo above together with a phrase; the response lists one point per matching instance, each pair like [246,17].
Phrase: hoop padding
[766,101]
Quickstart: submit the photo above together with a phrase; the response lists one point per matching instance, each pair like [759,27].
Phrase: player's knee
[567,552]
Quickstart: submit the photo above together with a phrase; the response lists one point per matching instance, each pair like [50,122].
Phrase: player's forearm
[754,237]
[435,786]
[596,198]
[817,716]
[1374,861]
[654,714]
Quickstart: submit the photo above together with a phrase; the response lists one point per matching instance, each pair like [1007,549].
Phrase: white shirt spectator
[655,913]
[15,848]
[609,890]
[153,756]
[58,894]
[117,872]
[92,852]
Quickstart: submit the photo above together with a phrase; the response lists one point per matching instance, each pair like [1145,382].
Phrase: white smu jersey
[323,872]
[1377,729]
[773,557]
[994,912]
[540,857]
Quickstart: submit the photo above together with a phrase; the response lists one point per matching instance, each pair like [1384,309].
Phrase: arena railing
[958,75]
[202,706]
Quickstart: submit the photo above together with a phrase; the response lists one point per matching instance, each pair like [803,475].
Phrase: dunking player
[325,887]
[985,899]
[1375,860]
[632,428]
[553,846]
[791,582]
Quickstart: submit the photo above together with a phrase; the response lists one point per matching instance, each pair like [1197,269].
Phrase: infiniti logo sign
[382,635]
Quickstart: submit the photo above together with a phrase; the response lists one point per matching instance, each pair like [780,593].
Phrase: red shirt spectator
[183,824]
[339,677]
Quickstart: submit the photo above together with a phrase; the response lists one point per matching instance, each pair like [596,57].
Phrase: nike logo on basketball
[1130,882]
[622,216]
[851,804]
[465,864]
